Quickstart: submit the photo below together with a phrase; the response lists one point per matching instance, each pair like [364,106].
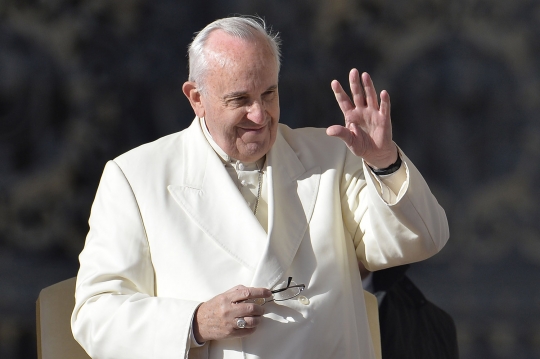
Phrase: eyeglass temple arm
[283,289]
[302,286]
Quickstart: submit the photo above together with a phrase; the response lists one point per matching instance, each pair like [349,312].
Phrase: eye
[237,101]
[269,95]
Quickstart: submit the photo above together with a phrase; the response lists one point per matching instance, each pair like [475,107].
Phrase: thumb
[340,132]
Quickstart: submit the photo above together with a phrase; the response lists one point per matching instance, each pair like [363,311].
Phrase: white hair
[243,27]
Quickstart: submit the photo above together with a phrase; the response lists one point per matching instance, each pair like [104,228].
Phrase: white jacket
[169,230]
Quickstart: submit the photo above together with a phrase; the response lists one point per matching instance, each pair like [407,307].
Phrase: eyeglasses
[281,292]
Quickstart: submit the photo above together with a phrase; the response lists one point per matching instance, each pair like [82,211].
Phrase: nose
[257,113]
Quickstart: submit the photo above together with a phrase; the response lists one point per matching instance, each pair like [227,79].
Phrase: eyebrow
[243,93]
[271,88]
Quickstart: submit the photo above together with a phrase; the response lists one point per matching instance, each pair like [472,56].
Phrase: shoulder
[312,138]
[150,149]
[305,134]
[313,146]
[159,152]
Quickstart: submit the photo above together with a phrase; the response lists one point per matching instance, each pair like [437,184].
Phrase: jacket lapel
[292,191]
[205,192]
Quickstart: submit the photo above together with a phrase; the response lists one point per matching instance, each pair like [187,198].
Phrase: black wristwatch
[388,170]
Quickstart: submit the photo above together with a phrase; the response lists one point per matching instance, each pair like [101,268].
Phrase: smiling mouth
[253,130]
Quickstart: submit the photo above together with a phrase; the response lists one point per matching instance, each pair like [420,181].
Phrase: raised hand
[217,318]
[368,128]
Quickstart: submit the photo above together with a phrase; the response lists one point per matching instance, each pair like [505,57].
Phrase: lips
[254,131]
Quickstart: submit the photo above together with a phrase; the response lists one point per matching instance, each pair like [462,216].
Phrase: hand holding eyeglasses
[217,318]
[283,291]
[238,311]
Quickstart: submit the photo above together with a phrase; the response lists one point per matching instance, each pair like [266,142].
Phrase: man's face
[240,102]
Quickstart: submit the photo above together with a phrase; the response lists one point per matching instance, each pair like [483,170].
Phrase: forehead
[240,62]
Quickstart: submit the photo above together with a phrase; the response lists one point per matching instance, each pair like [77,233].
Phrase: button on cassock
[304,300]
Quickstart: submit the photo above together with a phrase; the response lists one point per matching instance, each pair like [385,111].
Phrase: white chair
[53,314]
[372,308]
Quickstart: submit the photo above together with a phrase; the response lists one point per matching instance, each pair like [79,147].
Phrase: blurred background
[82,81]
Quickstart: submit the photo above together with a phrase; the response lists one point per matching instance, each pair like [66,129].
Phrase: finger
[237,331]
[247,310]
[342,98]
[369,88]
[356,89]
[385,103]
[340,132]
[252,322]
[241,293]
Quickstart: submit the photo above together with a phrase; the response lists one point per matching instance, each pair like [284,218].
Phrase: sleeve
[389,186]
[405,227]
[117,314]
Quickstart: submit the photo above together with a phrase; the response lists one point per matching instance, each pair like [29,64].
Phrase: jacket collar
[207,194]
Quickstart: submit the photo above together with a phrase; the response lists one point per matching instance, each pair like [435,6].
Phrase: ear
[194,96]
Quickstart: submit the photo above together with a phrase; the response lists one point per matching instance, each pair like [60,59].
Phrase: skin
[368,128]
[216,318]
[240,105]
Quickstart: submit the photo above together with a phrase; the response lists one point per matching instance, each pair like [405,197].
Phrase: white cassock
[169,230]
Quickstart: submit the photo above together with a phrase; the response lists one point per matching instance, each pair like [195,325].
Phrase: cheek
[275,116]
[229,130]
[273,134]
[274,110]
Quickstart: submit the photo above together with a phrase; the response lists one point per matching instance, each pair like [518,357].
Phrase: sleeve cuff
[193,342]
[391,187]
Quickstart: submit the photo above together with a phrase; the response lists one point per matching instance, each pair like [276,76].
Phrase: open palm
[368,128]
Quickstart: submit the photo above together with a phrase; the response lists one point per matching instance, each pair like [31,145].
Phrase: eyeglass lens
[287,290]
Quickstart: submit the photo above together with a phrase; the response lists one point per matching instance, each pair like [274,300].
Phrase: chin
[253,152]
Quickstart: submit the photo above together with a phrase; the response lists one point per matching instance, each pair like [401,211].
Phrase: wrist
[195,328]
[387,170]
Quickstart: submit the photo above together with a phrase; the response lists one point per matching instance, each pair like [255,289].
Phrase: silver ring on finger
[241,323]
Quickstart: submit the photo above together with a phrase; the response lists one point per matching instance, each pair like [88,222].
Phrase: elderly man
[194,238]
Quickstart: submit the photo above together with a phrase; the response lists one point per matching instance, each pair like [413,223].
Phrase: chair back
[53,323]
[372,308]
